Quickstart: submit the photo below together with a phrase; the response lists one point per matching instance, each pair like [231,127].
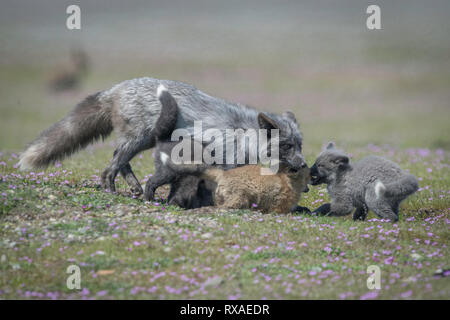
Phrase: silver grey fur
[373,183]
[132,108]
[186,191]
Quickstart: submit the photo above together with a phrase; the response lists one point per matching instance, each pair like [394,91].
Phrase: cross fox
[236,188]
[132,108]
[371,183]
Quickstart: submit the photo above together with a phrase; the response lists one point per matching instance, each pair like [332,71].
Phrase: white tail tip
[29,156]
[379,189]
[160,90]
[164,158]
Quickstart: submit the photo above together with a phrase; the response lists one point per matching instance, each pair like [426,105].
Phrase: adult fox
[132,108]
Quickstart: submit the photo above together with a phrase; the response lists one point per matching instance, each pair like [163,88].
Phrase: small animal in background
[245,187]
[373,183]
[69,77]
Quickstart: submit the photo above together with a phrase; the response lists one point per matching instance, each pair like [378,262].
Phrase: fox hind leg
[383,210]
[128,174]
[120,163]
[381,206]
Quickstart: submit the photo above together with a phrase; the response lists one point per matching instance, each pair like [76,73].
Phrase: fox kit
[372,183]
[244,187]
[186,191]
[132,108]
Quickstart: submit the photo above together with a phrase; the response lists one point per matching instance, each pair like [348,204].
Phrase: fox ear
[266,122]
[331,145]
[342,160]
[289,115]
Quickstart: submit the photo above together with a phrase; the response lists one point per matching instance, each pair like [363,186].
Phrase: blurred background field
[317,58]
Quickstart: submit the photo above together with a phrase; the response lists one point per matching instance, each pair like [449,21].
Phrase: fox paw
[136,190]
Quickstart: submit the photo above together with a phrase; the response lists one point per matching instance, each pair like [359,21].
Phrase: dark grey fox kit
[372,183]
[186,191]
[132,108]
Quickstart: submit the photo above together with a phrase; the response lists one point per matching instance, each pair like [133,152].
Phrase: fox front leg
[323,209]
[334,209]
[360,213]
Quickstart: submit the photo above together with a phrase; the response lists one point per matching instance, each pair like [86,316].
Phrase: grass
[130,249]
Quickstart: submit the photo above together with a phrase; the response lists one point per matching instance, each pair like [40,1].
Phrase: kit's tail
[401,188]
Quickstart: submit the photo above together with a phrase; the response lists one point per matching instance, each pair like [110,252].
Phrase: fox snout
[313,172]
[315,175]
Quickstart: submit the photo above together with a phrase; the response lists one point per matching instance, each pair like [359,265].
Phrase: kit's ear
[331,145]
[342,161]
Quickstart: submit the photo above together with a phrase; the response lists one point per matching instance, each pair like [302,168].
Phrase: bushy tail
[401,188]
[167,120]
[89,121]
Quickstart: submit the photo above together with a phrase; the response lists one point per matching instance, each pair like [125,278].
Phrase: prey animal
[373,183]
[245,187]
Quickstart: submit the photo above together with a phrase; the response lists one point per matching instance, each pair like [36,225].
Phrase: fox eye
[286,146]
